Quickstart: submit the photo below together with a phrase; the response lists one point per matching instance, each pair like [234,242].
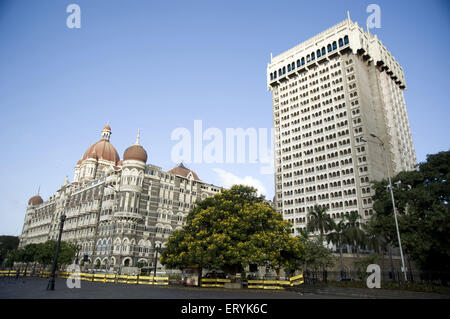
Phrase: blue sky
[159,65]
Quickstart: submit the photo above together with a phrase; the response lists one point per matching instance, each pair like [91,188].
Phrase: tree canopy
[232,230]
[422,202]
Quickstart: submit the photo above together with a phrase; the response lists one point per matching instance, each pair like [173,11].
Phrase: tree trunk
[342,259]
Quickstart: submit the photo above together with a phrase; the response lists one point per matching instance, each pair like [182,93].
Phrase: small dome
[35,200]
[181,170]
[135,152]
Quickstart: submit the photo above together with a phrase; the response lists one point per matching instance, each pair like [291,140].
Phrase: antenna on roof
[39,189]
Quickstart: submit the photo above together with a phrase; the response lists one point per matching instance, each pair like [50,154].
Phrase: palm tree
[354,235]
[320,220]
[337,237]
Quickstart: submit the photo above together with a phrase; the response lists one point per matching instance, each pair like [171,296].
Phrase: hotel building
[329,94]
[116,210]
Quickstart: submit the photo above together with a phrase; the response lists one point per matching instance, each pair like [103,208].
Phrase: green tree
[422,201]
[320,220]
[231,230]
[337,237]
[317,256]
[7,244]
[353,234]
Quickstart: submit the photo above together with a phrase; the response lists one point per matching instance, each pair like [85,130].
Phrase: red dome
[135,152]
[35,200]
[181,170]
[103,149]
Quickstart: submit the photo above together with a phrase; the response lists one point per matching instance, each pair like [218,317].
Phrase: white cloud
[229,179]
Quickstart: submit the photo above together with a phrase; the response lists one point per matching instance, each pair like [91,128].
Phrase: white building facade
[329,95]
[116,210]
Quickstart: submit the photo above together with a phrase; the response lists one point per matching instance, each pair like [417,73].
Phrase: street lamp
[157,249]
[78,251]
[51,282]
[392,197]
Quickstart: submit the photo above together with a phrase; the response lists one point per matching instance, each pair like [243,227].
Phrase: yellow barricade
[214,282]
[122,279]
[86,277]
[145,280]
[132,279]
[296,280]
[99,277]
[268,284]
[161,281]
[4,273]
[110,278]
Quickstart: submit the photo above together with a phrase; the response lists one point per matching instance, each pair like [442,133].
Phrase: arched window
[284,70]
[334,45]
[271,76]
[303,61]
[346,39]
[341,43]
[318,53]
[329,48]
[298,63]
[279,72]
[293,66]
[324,51]
[289,68]
[308,58]
[313,56]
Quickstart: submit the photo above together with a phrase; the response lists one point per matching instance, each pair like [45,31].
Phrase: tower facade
[329,94]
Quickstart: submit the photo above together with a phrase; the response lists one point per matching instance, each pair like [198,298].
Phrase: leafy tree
[232,230]
[337,237]
[353,234]
[422,201]
[320,220]
[317,256]
[45,252]
[7,244]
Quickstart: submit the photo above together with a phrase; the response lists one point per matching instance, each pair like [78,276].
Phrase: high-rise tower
[328,93]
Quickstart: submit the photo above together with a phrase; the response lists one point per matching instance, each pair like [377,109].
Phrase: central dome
[35,200]
[103,149]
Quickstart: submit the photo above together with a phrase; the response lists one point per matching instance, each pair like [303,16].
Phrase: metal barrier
[214,282]
[275,284]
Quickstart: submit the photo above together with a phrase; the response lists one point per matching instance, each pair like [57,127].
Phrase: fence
[104,278]
[395,276]
[275,284]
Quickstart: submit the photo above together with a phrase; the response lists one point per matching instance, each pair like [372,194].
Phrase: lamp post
[392,198]
[51,282]
[157,249]
[78,251]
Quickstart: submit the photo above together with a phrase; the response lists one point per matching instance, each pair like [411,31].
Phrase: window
[318,53]
[293,66]
[298,63]
[346,39]
[303,61]
[313,56]
[334,45]
[341,43]
[323,51]
[329,48]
